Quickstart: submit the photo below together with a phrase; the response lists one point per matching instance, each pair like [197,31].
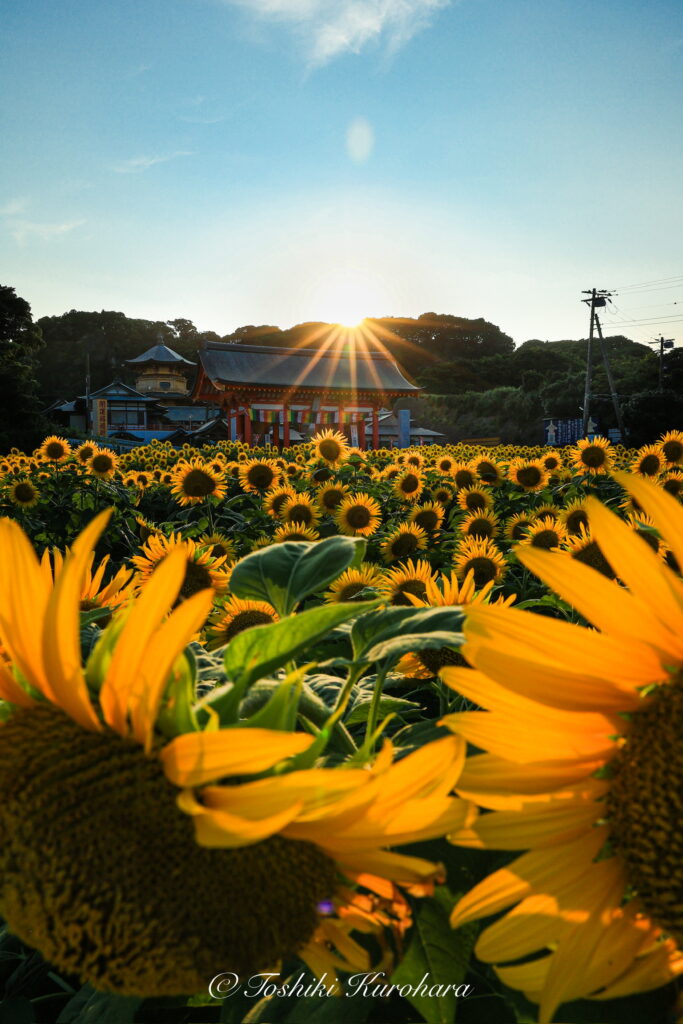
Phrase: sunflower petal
[61,629]
[142,621]
[198,757]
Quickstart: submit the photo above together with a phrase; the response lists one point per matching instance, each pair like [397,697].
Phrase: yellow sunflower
[102,464]
[414,459]
[218,545]
[488,470]
[24,494]
[202,570]
[584,548]
[295,532]
[596,456]
[358,515]
[671,446]
[483,558]
[581,768]
[672,482]
[474,499]
[194,481]
[408,580]
[574,516]
[348,586]
[330,445]
[552,462]
[405,540]
[259,475]
[547,509]
[329,497]
[444,464]
[529,474]
[480,524]
[55,449]
[409,485]
[95,593]
[429,516]
[393,470]
[274,500]
[300,510]
[649,461]
[464,475]
[643,525]
[263,866]
[545,533]
[440,592]
[443,494]
[85,452]
[234,616]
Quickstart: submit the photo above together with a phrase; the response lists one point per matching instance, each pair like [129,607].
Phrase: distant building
[389,431]
[160,374]
[157,407]
[267,393]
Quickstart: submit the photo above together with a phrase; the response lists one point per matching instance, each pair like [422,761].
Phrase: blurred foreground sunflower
[145,855]
[583,768]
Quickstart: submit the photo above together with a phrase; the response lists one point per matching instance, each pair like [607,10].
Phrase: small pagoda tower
[161,375]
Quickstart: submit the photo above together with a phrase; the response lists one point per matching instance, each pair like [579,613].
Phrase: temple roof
[160,354]
[267,366]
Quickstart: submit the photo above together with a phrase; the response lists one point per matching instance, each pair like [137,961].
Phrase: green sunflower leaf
[387,624]
[284,574]
[436,962]
[257,652]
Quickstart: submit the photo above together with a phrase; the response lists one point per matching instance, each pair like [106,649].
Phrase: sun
[347,299]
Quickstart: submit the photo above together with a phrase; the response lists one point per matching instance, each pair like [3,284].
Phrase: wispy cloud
[328,28]
[13,207]
[24,230]
[137,164]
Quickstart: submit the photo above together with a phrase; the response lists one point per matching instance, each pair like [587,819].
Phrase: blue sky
[274,161]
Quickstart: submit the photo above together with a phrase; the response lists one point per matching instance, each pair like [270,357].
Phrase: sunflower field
[336,736]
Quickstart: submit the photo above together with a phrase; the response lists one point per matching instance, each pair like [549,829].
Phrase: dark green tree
[650,414]
[22,424]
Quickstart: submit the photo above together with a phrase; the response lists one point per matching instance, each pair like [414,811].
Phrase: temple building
[160,374]
[269,394]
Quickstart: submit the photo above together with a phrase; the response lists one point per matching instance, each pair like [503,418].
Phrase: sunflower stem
[374,707]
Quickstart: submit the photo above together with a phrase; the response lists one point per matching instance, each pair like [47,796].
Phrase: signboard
[564,431]
[354,434]
[100,417]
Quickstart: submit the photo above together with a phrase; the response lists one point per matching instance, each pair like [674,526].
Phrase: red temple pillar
[375,427]
[361,434]
[247,424]
[285,424]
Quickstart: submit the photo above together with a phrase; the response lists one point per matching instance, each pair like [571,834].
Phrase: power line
[643,284]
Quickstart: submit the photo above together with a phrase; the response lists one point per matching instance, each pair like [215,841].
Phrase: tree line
[476,383]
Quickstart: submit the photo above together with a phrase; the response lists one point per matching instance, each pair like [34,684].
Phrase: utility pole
[663,343]
[596,300]
[88,422]
[608,369]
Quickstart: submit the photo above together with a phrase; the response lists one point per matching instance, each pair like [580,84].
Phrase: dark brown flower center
[644,805]
[485,569]
[593,456]
[151,913]
[358,517]
[415,587]
[198,484]
[592,555]
[529,476]
[650,465]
